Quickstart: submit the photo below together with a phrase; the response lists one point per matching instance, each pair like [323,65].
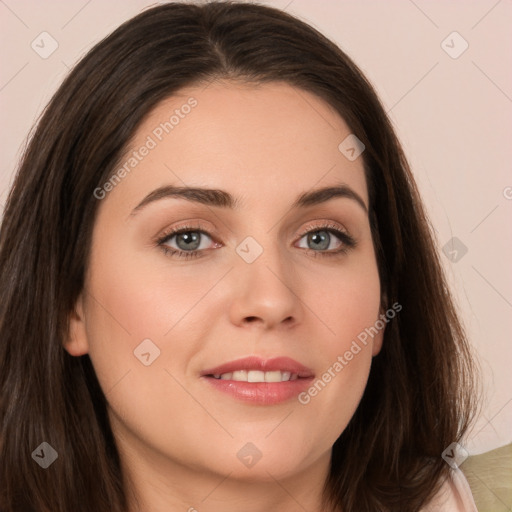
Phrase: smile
[260,381]
[257,376]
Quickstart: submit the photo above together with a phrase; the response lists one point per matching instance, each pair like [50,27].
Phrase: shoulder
[454,495]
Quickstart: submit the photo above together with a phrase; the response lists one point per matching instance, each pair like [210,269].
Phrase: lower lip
[261,393]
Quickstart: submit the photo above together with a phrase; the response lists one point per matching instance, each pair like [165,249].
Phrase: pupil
[321,238]
[190,239]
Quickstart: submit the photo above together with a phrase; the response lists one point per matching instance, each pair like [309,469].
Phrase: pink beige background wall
[443,72]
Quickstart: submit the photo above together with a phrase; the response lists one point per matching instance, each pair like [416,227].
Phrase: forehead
[256,141]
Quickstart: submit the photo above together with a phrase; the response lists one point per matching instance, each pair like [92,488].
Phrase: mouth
[260,381]
[256,376]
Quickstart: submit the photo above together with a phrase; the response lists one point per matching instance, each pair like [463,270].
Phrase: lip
[260,393]
[283,364]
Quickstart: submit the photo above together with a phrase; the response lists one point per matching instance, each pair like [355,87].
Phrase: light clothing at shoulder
[454,496]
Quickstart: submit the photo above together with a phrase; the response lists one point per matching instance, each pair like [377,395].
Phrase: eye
[185,242]
[193,241]
[326,240]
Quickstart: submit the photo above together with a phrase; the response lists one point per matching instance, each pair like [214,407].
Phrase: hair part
[419,396]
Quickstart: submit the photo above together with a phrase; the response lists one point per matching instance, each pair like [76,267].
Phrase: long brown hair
[419,395]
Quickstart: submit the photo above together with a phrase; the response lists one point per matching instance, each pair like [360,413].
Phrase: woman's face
[266,268]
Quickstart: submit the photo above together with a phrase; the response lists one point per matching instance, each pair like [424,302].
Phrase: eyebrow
[223,199]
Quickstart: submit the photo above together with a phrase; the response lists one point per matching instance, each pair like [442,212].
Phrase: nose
[266,293]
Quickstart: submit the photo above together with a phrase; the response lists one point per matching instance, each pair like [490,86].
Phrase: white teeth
[240,375]
[273,376]
[257,376]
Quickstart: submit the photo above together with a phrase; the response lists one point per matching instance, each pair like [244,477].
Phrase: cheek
[131,305]
[133,299]
[132,296]
[122,310]
[346,301]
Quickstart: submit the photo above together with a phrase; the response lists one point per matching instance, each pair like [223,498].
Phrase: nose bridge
[263,289]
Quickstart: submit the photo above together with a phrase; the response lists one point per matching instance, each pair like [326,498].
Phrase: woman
[219,286]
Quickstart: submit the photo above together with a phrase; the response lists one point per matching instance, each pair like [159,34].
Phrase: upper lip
[283,364]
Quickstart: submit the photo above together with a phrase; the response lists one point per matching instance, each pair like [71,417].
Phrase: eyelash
[347,241]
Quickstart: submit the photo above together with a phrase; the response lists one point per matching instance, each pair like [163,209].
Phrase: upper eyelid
[324,225]
[182,229]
